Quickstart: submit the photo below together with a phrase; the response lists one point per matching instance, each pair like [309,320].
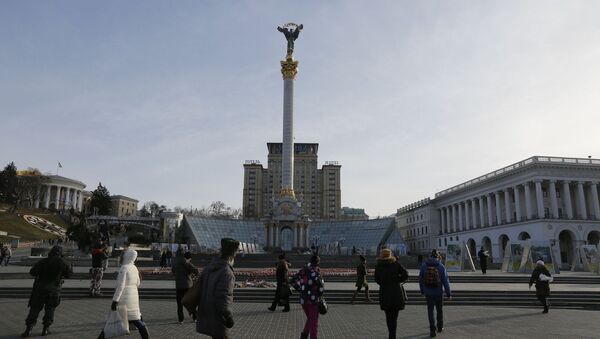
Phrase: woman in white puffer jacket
[126,292]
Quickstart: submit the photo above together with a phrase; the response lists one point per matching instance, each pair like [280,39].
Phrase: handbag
[116,323]
[191,298]
[323,308]
[403,291]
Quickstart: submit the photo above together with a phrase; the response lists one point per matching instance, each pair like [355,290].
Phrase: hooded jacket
[216,298]
[126,289]
[434,291]
[388,275]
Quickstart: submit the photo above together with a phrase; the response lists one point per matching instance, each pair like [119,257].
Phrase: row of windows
[414,218]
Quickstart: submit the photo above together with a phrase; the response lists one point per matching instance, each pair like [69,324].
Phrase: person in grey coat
[183,270]
[214,311]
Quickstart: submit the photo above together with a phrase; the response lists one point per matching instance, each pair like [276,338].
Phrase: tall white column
[297,232]
[289,69]
[507,209]
[47,197]
[74,199]
[582,210]
[553,199]
[37,197]
[498,209]
[442,220]
[67,197]
[467,216]
[57,200]
[448,220]
[474,213]
[481,212]
[490,211]
[461,225]
[454,216]
[566,195]
[306,235]
[517,202]
[595,204]
[539,198]
[528,210]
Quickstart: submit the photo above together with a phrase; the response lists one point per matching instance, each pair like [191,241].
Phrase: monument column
[289,70]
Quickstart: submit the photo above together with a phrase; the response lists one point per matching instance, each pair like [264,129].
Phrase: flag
[59,165]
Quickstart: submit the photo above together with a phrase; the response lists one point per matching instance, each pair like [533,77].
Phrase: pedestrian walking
[311,287]
[214,310]
[542,278]
[282,292]
[2,253]
[163,258]
[183,270]
[168,257]
[433,282]
[45,294]
[7,254]
[99,258]
[126,292]
[390,275]
[483,259]
[361,280]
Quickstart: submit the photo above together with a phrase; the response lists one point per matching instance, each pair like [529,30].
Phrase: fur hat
[229,246]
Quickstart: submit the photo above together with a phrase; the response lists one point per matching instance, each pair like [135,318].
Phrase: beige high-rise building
[318,189]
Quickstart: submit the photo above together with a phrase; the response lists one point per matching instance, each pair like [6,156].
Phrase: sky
[164,101]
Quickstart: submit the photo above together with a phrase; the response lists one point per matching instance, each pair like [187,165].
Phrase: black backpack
[431,278]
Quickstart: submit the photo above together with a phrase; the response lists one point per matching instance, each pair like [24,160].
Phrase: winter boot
[353,298]
[46,330]
[303,335]
[545,309]
[27,330]
[367,299]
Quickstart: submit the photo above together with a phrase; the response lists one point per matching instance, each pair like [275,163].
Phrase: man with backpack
[433,281]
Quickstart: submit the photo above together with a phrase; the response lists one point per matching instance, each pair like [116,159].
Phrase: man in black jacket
[183,269]
[49,273]
[282,292]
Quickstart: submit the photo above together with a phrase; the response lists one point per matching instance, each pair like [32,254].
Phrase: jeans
[312,319]
[437,302]
[391,319]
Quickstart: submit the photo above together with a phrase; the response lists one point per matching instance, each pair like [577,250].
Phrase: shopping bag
[116,323]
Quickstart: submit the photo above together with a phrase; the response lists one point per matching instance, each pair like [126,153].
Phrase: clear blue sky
[165,100]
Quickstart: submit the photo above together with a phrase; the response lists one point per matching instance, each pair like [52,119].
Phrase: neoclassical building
[60,193]
[546,199]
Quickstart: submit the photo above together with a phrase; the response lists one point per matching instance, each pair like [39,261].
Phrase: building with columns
[60,193]
[550,199]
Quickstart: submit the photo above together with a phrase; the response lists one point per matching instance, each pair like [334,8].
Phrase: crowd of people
[212,289]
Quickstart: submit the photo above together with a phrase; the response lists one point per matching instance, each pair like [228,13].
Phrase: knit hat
[229,246]
[540,262]
[386,253]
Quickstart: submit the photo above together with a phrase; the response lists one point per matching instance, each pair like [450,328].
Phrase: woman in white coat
[126,292]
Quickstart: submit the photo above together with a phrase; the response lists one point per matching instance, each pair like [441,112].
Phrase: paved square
[84,319]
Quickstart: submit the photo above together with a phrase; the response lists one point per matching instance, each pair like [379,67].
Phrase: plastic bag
[116,323]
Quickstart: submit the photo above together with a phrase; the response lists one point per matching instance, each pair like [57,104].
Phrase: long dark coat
[389,274]
[49,274]
[483,259]
[283,287]
[183,270]
[216,298]
[542,288]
